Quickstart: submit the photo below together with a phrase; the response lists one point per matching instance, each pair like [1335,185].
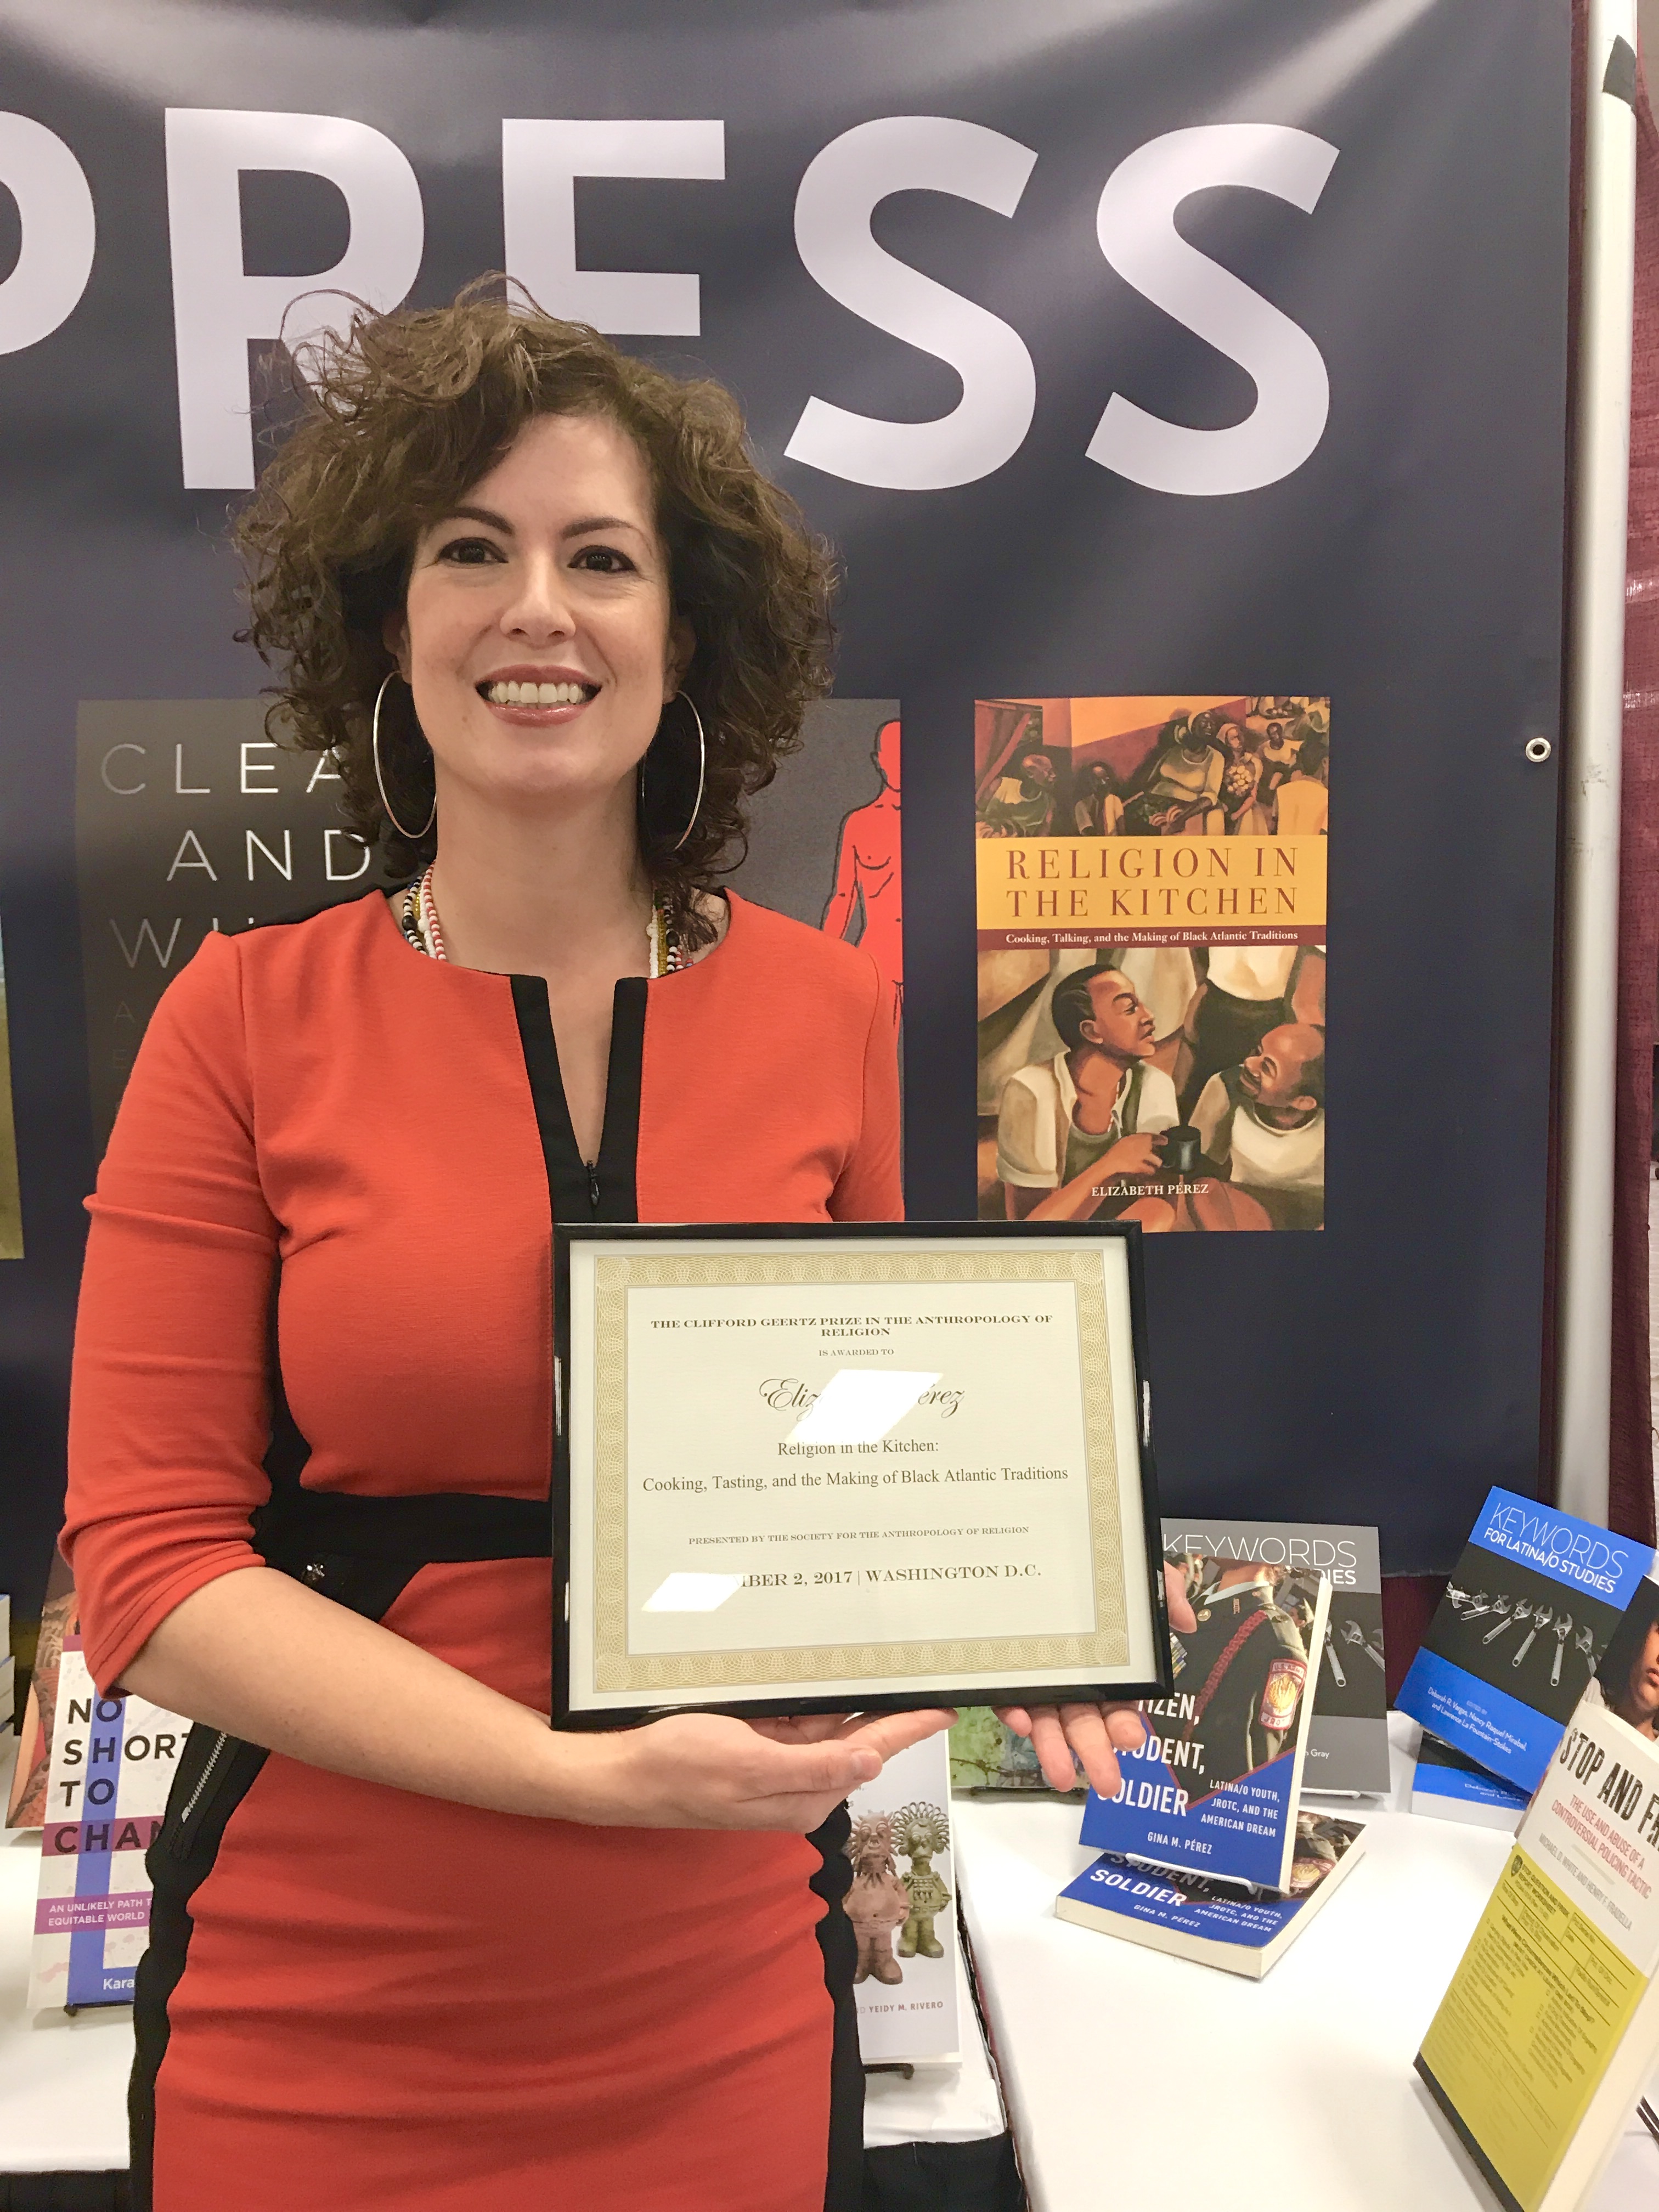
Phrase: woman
[411,1946]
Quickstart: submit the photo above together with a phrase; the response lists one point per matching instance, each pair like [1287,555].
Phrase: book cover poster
[903,1907]
[1150,892]
[11,1201]
[1215,1786]
[1529,1612]
[190,817]
[113,1765]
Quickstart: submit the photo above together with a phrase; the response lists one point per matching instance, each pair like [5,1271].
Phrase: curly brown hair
[398,419]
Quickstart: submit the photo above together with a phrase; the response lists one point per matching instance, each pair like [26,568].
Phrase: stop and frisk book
[1348,1738]
[1531,1607]
[1242,1932]
[1550,2030]
[903,1910]
[1216,1787]
[113,1765]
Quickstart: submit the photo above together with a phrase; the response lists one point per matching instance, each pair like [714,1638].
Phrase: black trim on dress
[362,1552]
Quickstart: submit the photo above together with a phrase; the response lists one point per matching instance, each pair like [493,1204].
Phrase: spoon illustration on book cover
[1563,1630]
[1541,1618]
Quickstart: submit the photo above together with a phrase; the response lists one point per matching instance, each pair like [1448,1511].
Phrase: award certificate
[852,1466]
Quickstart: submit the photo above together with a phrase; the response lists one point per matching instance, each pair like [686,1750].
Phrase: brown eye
[603,561]
[469,552]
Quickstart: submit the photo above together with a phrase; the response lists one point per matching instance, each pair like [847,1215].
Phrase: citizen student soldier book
[1348,1738]
[903,1911]
[1550,2030]
[1191,1916]
[1529,1610]
[112,1763]
[1216,1786]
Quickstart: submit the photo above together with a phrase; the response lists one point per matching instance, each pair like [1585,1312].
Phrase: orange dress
[317,1282]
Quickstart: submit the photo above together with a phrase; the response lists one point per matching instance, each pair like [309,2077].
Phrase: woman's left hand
[1096,1732]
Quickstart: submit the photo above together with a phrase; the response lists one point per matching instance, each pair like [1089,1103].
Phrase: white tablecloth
[1129,2076]
[1135,2080]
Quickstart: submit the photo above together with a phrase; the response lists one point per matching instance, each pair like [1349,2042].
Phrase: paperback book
[1217,1785]
[1242,1931]
[1348,1736]
[1447,1785]
[1543,2044]
[902,1909]
[113,1765]
[1530,1608]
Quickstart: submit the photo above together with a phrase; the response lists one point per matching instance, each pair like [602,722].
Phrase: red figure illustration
[868,873]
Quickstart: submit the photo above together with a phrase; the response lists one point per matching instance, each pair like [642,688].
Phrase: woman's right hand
[708,1770]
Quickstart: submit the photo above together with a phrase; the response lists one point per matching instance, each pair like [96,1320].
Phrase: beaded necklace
[417,917]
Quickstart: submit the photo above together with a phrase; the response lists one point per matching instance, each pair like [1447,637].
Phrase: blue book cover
[1243,1932]
[1531,1607]
[1215,1787]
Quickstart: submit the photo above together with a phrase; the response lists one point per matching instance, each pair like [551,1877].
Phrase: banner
[1121,353]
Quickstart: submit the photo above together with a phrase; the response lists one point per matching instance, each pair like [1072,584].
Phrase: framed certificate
[852,1466]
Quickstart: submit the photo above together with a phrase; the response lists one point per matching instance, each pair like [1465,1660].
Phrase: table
[1132,2078]
[1129,2075]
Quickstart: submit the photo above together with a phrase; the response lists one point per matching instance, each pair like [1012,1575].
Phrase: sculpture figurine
[919,1832]
[877,1901]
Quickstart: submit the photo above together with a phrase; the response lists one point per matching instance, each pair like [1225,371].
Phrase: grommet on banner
[1538,750]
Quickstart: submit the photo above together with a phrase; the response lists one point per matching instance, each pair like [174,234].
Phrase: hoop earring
[375,748]
[702,772]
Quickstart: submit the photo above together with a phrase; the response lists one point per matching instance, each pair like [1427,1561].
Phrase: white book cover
[112,1763]
[902,1908]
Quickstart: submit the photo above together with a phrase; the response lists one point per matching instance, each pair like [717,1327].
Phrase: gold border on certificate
[615,1669]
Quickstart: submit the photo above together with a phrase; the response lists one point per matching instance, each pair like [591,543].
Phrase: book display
[1242,1931]
[902,1908]
[1217,1785]
[1530,1608]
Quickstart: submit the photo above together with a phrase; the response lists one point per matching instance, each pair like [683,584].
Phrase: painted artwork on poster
[11,1202]
[191,817]
[1151,919]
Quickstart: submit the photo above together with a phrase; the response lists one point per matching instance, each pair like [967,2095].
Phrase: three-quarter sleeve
[868,1188]
[169,1407]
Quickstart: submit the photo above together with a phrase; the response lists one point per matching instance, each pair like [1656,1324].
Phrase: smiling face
[538,635]
[1273,1073]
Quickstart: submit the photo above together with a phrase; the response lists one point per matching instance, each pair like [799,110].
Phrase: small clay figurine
[877,1901]
[919,1832]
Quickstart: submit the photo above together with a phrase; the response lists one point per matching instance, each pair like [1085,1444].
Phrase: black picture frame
[567,1236]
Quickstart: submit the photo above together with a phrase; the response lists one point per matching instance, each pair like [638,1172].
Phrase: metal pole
[1593,741]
